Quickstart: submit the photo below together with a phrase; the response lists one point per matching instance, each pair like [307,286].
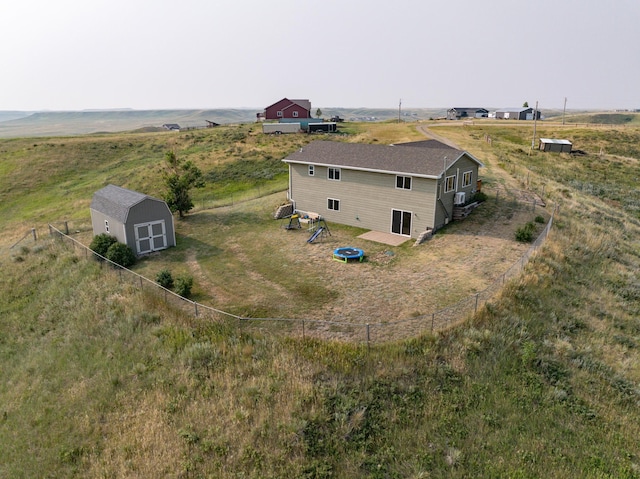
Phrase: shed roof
[409,160]
[557,142]
[115,201]
[515,110]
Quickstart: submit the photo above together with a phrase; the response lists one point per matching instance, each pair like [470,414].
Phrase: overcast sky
[161,54]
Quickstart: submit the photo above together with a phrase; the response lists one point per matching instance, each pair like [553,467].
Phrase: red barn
[286,108]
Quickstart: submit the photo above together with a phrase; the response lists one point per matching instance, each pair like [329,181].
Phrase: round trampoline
[346,253]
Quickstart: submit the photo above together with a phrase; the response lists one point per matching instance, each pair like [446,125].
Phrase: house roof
[306,104]
[468,109]
[411,160]
[115,201]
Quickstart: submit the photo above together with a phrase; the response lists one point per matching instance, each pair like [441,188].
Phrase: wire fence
[322,329]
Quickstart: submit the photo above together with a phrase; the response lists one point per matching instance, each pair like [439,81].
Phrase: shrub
[539,219]
[184,285]
[479,197]
[101,243]
[524,234]
[120,254]
[164,279]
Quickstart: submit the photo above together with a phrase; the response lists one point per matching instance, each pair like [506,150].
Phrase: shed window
[466,178]
[450,184]
[333,204]
[403,182]
[312,170]
[334,174]
[106,225]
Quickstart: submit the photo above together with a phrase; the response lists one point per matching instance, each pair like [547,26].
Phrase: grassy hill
[102,379]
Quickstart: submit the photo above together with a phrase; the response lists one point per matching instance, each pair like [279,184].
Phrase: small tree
[165,279]
[184,285]
[180,177]
[100,243]
[525,104]
[121,254]
[318,113]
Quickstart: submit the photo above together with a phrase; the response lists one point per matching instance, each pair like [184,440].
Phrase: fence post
[476,309]
[33,232]
[195,304]
[303,336]
[433,318]
[368,338]
[66,228]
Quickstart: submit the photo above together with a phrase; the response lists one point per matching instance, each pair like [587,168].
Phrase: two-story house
[403,189]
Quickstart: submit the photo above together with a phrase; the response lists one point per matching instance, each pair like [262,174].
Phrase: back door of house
[150,236]
[401,222]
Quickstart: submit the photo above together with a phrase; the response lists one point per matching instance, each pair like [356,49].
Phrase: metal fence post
[196,307]
[433,318]
[303,336]
[476,310]
[368,337]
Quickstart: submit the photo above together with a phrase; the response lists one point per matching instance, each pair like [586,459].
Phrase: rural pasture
[102,379]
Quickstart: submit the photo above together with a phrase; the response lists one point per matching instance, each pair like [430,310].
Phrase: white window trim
[106,226]
[311,170]
[334,169]
[446,181]
[469,175]
[295,114]
[404,181]
[336,201]
[279,113]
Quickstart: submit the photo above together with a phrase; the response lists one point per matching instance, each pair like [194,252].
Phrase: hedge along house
[142,222]
[402,189]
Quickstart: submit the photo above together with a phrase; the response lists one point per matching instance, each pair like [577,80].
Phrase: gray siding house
[459,113]
[142,222]
[403,189]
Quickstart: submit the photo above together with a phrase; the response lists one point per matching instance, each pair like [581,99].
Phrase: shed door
[150,236]
[401,222]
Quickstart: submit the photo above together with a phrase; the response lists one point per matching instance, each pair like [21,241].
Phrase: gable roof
[461,109]
[408,160]
[306,104]
[115,201]
[515,110]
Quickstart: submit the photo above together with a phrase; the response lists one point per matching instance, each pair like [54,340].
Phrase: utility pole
[535,119]
[564,109]
[399,109]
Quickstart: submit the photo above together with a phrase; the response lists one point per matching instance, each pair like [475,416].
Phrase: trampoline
[346,253]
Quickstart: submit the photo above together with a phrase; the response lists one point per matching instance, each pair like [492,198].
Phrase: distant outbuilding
[553,145]
[142,222]
[524,113]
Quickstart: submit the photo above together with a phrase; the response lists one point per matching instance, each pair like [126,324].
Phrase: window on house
[334,174]
[450,183]
[403,182]
[312,170]
[106,225]
[466,178]
[279,113]
[333,204]
[295,114]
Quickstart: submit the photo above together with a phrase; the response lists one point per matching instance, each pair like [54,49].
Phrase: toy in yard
[320,230]
[294,223]
[346,253]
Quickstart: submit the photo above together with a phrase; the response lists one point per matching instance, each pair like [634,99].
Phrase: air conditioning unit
[459,199]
